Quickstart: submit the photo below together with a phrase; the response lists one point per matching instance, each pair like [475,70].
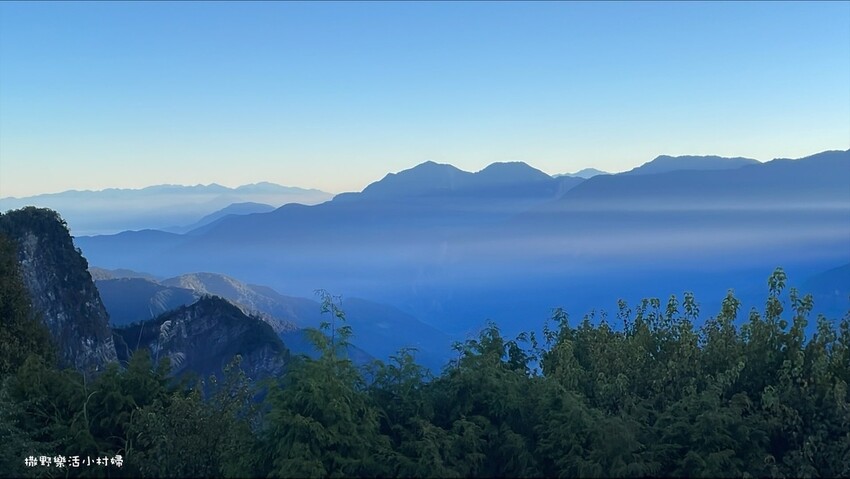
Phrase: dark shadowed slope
[204,337]
[379,329]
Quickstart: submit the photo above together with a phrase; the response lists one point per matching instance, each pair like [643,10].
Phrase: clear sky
[335,95]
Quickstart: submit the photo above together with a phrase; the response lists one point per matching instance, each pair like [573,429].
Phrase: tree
[320,421]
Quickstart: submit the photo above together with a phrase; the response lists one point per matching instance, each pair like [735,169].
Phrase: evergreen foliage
[652,395]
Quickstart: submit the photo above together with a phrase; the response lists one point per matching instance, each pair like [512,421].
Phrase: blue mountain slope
[429,179]
[380,330]
[129,300]
[370,231]
[142,249]
[245,208]
[830,290]
[585,173]
[782,205]
[425,178]
[665,164]
[441,253]
[298,342]
[807,180]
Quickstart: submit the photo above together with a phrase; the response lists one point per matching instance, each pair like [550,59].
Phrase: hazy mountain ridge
[666,163]
[818,176]
[779,212]
[212,188]
[380,330]
[432,196]
[431,253]
[162,206]
[204,337]
[585,173]
[100,273]
[242,295]
[437,179]
[200,337]
[245,208]
[129,300]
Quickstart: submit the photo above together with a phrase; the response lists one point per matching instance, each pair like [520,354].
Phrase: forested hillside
[642,393]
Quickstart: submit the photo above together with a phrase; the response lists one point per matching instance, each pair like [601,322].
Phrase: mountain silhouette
[245,208]
[814,178]
[585,173]
[424,239]
[114,210]
[664,164]
[380,329]
[435,179]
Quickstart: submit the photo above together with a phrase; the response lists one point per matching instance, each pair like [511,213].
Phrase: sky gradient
[335,95]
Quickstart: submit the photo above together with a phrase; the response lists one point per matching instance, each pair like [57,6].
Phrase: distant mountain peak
[510,172]
[168,207]
[425,171]
[585,173]
[431,162]
[430,165]
[424,177]
[509,166]
[430,177]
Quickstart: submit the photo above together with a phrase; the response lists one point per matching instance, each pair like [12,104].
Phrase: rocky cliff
[204,337]
[251,299]
[60,287]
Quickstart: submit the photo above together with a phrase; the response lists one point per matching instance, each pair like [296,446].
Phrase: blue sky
[335,95]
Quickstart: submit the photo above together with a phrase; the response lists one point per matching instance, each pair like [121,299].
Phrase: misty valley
[689,317]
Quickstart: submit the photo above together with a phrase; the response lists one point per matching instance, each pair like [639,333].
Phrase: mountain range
[245,208]
[162,206]
[665,164]
[380,330]
[202,337]
[453,248]
[428,254]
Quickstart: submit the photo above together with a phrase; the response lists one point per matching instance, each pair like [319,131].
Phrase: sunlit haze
[335,95]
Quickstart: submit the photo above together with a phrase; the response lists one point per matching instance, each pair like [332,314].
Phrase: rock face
[60,287]
[252,300]
[204,337]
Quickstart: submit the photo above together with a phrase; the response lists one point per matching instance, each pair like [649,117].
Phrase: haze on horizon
[334,96]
